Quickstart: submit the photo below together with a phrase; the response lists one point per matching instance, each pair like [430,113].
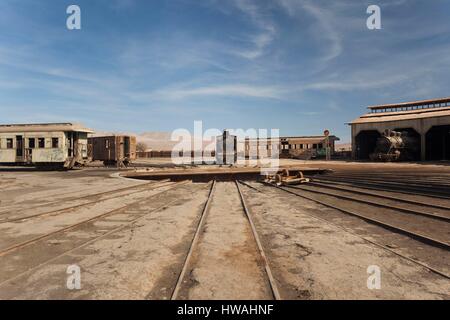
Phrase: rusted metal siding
[288,147]
[41,147]
[132,150]
[103,148]
[112,148]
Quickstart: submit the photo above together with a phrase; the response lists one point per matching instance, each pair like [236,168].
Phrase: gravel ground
[316,260]
[226,264]
[136,249]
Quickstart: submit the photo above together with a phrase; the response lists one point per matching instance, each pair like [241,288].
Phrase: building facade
[426,121]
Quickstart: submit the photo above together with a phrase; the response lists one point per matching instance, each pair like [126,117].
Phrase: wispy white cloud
[264,37]
[324,19]
[298,55]
[235,90]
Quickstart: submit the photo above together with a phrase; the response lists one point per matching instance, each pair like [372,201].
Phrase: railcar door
[127,151]
[19,149]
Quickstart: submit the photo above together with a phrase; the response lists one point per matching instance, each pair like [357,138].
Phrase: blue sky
[297,65]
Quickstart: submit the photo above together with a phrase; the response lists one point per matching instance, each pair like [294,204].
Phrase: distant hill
[344,146]
[158,141]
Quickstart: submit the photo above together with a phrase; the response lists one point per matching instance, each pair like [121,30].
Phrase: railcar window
[55,142]
[41,142]
[9,143]
[31,143]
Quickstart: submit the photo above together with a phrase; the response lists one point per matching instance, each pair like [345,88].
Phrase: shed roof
[430,103]
[44,127]
[403,115]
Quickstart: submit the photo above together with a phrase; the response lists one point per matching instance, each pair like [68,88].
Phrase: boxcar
[117,150]
[59,145]
[226,148]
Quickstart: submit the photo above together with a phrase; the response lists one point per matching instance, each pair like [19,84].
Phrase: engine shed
[426,121]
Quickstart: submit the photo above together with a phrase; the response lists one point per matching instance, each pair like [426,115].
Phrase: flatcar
[58,145]
[115,150]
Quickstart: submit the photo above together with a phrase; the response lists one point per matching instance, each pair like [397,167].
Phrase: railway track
[90,240]
[64,200]
[441,183]
[383,185]
[402,205]
[401,196]
[34,240]
[384,219]
[114,193]
[188,263]
[409,258]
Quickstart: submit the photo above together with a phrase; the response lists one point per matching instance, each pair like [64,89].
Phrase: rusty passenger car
[117,150]
[300,147]
[59,145]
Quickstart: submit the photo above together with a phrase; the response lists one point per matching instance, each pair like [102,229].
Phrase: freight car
[395,146]
[52,145]
[226,148]
[116,150]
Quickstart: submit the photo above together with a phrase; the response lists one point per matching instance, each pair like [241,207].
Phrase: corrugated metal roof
[410,103]
[405,115]
[44,127]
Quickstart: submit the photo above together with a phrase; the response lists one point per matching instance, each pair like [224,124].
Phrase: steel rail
[374,203]
[392,181]
[400,176]
[272,281]
[411,234]
[63,210]
[403,189]
[9,208]
[90,241]
[205,211]
[335,186]
[47,235]
[434,270]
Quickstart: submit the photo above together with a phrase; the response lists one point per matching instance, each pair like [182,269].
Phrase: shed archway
[412,143]
[366,142]
[438,143]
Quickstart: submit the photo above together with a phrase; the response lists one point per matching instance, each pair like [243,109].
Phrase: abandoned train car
[116,150]
[301,147]
[226,148]
[61,145]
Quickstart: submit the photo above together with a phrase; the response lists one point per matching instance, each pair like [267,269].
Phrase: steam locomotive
[395,146]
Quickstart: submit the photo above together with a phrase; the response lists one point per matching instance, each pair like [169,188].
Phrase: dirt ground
[227,264]
[317,260]
[130,239]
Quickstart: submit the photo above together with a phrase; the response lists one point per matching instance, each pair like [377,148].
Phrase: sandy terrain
[226,264]
[130,238]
